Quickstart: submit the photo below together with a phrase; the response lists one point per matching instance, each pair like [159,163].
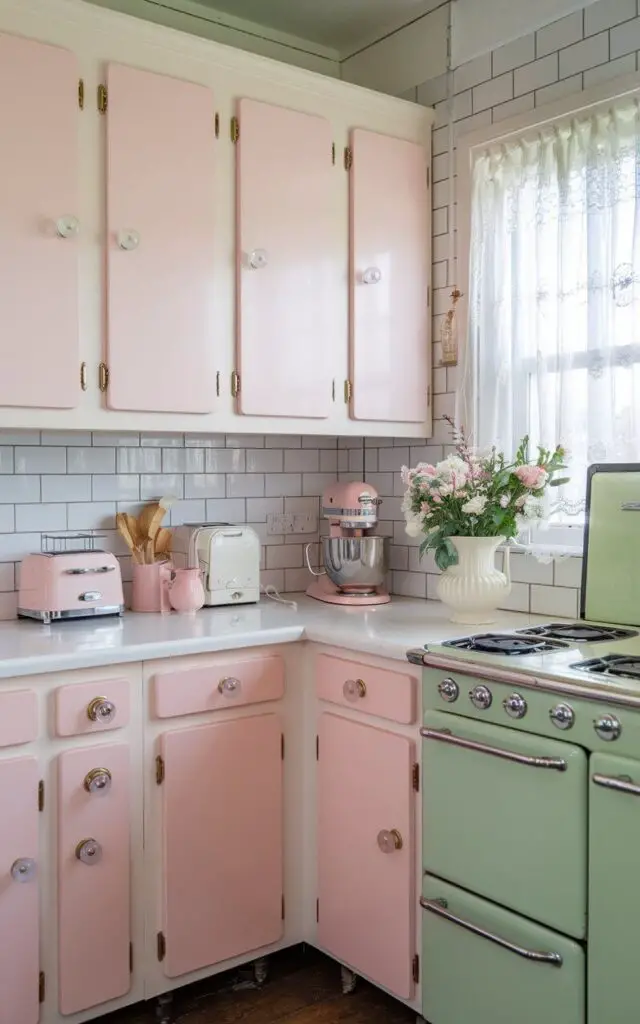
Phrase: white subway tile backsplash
[66,488]
[136,460]
[189,511]
[612,69]
[14,437]
[162,440]
[40,460]
[6,459]
[110,439]
[19,488]
[606,13]
[283,441]
[14,546]
[305,460]
[313,441]
[536,75]
[8,606]
[409,584]
[280,484]
[65,438]
[568,573]
[554,601]
[517,106]
[181,460]
[559,33]
[433,91]
[511,56]
[94,460]
[273,578]
[588,53]
[204,440]
[226,510]
[355,460]
[296,580]
[526,569]
[159,485]
[518,599]
[204,485]
[315,483]
[286,556]
[92,515]
[116,488]
[625,38]
[244,441]
[382,482]
[265,460]
[7,577]
[7,518]
[225,460]
[245,485]
[259,508]
[399,557]
[328,460]
[471,73]
[41,517]
[565,87]
[391,460]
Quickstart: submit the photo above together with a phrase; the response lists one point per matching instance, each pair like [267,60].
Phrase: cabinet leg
[260,970]
[164,1004]
[349,980]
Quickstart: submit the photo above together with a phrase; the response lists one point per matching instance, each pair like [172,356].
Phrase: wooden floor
[302,988]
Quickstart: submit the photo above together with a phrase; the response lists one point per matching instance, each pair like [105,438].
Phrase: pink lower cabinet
[94,901]
[19,909]
[366,851]
[390,272]
[222,841]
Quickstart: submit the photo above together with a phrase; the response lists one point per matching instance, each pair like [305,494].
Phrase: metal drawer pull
[557,763]
[630,506]
[621,783]
[438,907]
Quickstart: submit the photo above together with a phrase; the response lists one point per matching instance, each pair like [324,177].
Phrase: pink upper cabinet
[160,213]
[40,229]
[390,273]
[288,275]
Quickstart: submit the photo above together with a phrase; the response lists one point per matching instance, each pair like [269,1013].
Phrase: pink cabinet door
[288,279]
[222,841]
[94,856]
[366,885]
[389,276]
[19,957]
[160,196]
[39,230]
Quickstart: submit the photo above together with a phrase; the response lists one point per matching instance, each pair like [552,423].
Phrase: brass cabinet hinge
[317,748]
[83,376]
[161,946]
[282,745]
[235,129]
[283,906]
[42,987]
[415,968]
[41,795]
[81,93]
[235,384]
[317,910]
[216,125]
[103,99]
[348,391]
[131,958]
[333,152]
[415,777]
[217,383]
[103,377]
[348,158]
[159,770]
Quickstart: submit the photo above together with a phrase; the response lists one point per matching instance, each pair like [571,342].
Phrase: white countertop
[29,648]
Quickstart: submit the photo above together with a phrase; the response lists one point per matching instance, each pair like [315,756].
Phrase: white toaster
[228,555]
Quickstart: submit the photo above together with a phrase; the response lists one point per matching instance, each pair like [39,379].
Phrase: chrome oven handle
[556,763]
[438,907]
[630,506]
[621,783]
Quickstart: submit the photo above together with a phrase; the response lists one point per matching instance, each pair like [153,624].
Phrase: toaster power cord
[273,593]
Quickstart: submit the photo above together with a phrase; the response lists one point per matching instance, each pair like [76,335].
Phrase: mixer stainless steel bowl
[357,565]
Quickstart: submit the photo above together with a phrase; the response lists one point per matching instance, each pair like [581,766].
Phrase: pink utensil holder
[186,592]
[150,587]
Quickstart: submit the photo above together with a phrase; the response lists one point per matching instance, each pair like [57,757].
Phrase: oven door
[484,965]
[505,815]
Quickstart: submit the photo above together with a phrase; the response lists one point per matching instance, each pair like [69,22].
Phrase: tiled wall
[600,42]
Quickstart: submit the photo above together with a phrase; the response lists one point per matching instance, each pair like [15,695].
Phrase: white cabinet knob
[67,226]
[128,239]
[372,275]
[258,259]
[24,869]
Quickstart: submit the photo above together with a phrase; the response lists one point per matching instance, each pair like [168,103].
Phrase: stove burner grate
[624,665]
[501,643]
[577,632]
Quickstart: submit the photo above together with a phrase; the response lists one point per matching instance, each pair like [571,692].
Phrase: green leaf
[560,481]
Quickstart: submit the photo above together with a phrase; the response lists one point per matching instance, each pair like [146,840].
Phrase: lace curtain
[554,294]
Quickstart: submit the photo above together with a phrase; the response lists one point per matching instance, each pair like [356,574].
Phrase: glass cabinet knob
[372,275]
[354,688]
[24,869]
[229,686]
[98,780]
[128,239]
[101,710]
[89,851]
[67,226]
[258,259]
[389,840]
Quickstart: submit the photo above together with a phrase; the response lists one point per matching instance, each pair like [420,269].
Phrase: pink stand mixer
[355,562]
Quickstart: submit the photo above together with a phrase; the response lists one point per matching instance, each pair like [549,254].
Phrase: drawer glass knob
[128,239]
[515,705]
[101,710]
[607,727]
[258,259]
[354,688]
[89,851]
[562,716]
[67,226]
[449,690]
[24,869]
[481,697]
[372,275]
[98,780]
[389,840]
[229,686]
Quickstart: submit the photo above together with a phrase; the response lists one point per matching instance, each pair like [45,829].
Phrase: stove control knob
[607,727]
[562,716]
[515,705]
[449,690]
[481,697]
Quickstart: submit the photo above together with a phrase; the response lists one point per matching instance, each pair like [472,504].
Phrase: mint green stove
[531,808]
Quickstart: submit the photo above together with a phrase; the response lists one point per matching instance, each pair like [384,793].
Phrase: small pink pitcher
[149,591]
[186,592]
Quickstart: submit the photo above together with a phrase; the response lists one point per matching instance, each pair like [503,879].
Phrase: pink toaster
[69,584]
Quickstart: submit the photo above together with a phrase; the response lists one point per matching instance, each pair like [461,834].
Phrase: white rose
[413,528]
[475,506]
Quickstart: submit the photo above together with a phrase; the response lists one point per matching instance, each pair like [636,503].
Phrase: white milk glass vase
[473,589]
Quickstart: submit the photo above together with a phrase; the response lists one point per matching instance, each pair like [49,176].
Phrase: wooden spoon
[144,520]
[125,533]
[163,542]
[163,506]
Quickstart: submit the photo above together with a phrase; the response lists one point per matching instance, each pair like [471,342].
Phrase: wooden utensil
[163,506]
[163,542]
[125,533]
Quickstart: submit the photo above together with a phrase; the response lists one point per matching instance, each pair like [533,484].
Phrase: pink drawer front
[377,691]
[80,708]
[223,684]
[94,928]
[18,717]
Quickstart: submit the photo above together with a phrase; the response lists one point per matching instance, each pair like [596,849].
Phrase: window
[554,292]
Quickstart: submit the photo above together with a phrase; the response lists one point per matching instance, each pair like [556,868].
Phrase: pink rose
[425,469]
[532,477]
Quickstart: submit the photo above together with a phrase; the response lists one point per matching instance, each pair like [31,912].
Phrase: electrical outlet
[281,523]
